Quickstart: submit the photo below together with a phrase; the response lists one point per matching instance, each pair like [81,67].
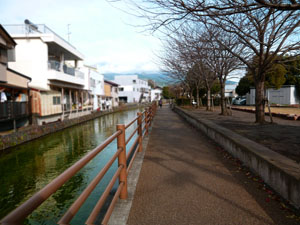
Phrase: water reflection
[29,167]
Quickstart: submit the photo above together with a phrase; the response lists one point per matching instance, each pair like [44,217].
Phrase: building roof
[7,38]
[20,74]
[111,83]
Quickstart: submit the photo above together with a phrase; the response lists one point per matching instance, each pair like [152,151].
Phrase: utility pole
[69,33]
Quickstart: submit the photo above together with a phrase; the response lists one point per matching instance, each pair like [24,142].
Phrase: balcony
[47,35]
[92,82]
[62,72]
[13,110]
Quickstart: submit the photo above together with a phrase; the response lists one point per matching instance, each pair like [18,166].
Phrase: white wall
[132,90]
[156,94]
[286,95]
[98,90]
[32,60]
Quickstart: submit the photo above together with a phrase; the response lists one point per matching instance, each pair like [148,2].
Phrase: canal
[29,167]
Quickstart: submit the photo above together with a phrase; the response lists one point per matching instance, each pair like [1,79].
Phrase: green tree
[166,92]
[276,76]
[244,85]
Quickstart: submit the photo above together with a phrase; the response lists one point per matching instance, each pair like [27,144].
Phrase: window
[121,89]
[134,81]
[133,89]
[116,99]
[56,100]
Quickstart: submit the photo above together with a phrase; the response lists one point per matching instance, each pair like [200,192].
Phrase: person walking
[160,103]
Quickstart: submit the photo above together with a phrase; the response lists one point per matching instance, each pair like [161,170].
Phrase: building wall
[115,97]
[107,90]
[3,76]
[97,91]
[35,64]
[48,108]
[36,107]
[132,86]
[156,94]
[286,95]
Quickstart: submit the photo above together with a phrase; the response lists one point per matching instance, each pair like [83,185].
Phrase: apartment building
[94,83]
[156,93]
[114,92]
[132,89]
[14,91]
[57,86]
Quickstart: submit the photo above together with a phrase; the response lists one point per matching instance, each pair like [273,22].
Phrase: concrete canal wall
[281,173]
[33,132]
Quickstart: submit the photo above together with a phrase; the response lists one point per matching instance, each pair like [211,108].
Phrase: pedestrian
[160,103]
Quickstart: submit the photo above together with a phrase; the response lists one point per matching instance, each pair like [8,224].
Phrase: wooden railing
[124,157]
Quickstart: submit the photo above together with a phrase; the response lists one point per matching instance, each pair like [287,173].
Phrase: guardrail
[143,120]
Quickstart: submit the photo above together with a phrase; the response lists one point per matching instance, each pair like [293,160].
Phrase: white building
[57,89]
[132,89]
[94,83]
[156,94]
[230,90]
[286,95]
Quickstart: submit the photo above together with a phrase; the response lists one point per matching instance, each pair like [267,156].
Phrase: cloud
[97,30]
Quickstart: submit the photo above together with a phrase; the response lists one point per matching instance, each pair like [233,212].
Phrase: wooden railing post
[140,131]
[150,115]
[146,120]
[122,161]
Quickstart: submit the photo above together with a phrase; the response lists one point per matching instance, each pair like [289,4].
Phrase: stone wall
[33,132]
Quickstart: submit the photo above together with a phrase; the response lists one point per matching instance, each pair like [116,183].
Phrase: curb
[122,208]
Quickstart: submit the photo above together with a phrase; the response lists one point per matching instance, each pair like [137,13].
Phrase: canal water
[29,167]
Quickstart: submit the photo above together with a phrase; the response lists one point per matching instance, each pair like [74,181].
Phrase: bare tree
[264,34]
[264,31]
[191,61]
[219,59]
[280,5]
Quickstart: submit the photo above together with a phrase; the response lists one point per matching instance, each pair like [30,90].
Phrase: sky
[105,35]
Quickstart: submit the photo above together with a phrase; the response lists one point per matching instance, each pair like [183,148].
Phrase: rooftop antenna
[69,33]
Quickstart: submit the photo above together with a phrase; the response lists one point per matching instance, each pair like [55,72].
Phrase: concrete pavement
[185,180]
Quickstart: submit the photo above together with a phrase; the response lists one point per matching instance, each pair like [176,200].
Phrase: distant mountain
[160,78]
[229,82]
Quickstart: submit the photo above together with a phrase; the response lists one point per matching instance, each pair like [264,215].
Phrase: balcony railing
[19,29]
[13,110]
[55,65]
[92,82]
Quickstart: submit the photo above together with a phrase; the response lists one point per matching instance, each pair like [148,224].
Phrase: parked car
[239,101]
[243,102]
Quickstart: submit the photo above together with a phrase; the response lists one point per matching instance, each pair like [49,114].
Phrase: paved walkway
[185,180]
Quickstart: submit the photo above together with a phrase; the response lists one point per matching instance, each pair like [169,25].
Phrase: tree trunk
[224,110]
[208,106]
[197,97]
[259,102]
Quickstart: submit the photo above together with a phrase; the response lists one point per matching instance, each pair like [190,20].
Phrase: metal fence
[19,29]
[13,110]
[55,65]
